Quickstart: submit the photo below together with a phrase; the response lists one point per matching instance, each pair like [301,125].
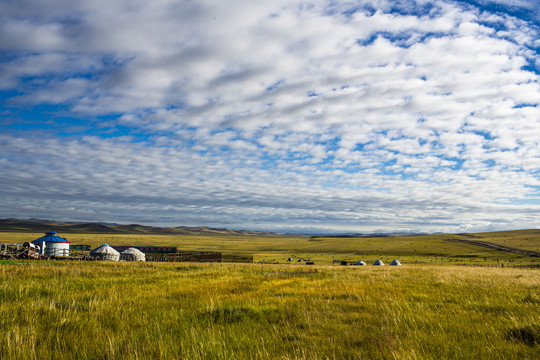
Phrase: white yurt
[132,254]
[378,262]
[105,252]
[360,262]
[395,262]
[52,245]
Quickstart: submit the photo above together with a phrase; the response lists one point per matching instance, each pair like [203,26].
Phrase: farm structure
[8,250]
[148,249]
[52,245]
[79,247]
[18,251]
[132,254]
[186,256]
[172,254]
[105,252]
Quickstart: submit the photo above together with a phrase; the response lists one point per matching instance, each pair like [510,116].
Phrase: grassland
[424,249]
[523,239]
[422,310]
[97,310]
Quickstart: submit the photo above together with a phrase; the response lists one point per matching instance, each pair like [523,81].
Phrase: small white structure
[52,245]
[360,262]
[378,262]
[395,262]
[132,254]
[105,252]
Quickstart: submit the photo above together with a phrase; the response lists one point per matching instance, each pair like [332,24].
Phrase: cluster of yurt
[52,245]
[107,252]
[378,263]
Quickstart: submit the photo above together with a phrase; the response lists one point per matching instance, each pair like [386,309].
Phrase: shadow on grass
[237,314]
[529,335]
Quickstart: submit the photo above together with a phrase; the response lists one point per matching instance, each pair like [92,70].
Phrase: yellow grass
[96,310]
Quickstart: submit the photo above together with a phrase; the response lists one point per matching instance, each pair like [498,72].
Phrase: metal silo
[52,245]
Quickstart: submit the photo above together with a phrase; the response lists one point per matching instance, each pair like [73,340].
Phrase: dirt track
[497,247]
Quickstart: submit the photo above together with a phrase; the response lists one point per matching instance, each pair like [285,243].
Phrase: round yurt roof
[133,253]
[378,262]
[360,262]
[52,237]
[132,250]
[395,262]
[104,249]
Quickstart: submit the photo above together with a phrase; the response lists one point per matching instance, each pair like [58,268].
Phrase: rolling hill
[35,225]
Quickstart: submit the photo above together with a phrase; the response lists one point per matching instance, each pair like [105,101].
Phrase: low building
[52,245]
[132,254]
[105,252]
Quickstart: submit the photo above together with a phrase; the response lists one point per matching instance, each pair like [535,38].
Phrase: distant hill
[37,225]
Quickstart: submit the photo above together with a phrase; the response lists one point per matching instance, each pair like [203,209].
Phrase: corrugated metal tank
[52,245]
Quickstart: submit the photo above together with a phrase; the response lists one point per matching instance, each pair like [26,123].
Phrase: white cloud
[244,113]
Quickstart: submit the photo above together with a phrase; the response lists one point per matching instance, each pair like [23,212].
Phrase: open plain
[417,249]
[96,310]
[422,310]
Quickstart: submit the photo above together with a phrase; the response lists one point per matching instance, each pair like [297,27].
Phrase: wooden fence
[185,256]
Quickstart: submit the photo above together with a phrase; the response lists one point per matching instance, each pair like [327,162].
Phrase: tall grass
[252,311]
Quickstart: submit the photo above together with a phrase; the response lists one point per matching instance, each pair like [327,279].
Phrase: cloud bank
[347,115]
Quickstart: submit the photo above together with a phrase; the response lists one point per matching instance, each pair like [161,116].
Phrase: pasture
[419,249]
[99,310]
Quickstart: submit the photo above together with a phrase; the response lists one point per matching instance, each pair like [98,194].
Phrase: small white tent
[132,254]
[360,262]
[378,262]
[395,262]
[105,252]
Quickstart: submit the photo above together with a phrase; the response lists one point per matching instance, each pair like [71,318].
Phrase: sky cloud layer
[367,115]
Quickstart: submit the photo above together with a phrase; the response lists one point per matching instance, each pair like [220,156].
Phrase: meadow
[419,249]
[433,307]
[100,310]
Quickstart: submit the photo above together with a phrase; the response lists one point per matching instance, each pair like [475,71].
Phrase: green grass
[99,310]
[522,239]
[425,249]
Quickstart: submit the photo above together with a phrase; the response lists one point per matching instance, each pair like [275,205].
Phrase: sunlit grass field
[523,239]
[99,310]
[421,249]
[422,310]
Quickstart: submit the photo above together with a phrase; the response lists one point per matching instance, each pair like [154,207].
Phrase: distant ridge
[37,225]
[355,236]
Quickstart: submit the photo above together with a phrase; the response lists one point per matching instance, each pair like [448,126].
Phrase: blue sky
[367,115]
